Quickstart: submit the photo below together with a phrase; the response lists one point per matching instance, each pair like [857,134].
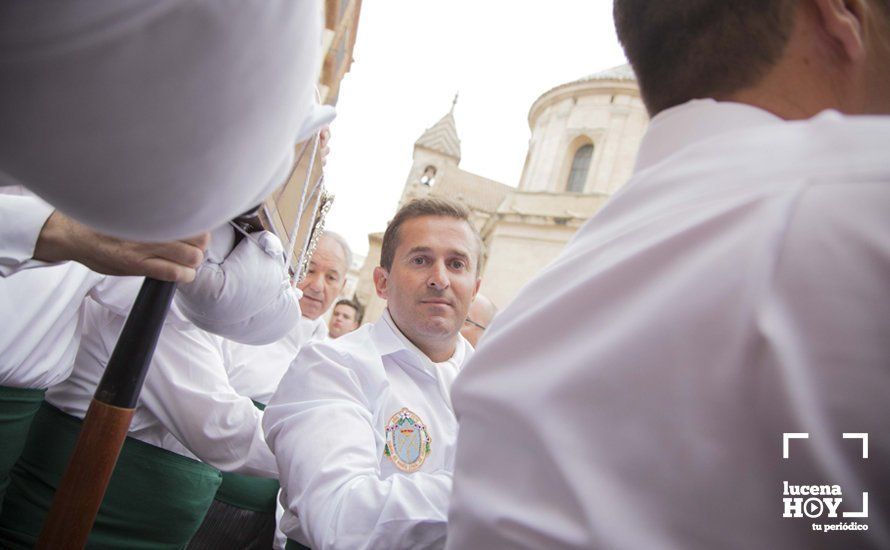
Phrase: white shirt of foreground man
[629,399]
[362,426]
[735,289]
[636,394]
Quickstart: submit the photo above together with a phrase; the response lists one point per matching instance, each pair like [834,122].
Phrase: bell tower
[437,148]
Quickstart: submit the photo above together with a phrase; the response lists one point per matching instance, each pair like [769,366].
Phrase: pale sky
[411,56]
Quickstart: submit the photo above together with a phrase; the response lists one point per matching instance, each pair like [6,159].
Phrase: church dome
[620,79]
[585,134]
[621,72]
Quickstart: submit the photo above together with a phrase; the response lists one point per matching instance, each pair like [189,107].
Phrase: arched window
[580,165]
[429,176]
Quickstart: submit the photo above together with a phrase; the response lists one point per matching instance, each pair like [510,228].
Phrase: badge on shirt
[407,441]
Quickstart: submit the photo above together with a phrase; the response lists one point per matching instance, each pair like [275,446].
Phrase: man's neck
[784,102]
[807,79]
[439,354]
[436,351]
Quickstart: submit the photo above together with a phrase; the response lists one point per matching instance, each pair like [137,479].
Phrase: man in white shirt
[243,512]
[48,266]
[189,423]
[254,371]
[362,426]
[713,343]
[326,275]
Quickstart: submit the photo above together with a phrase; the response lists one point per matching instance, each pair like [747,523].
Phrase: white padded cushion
[155,119]
[246,298]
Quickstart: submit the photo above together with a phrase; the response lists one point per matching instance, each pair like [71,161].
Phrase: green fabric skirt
[242,515]
[256,494]
[155,499]
[17,408]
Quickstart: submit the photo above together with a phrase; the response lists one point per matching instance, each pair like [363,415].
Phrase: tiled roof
[442,137]
[474,191]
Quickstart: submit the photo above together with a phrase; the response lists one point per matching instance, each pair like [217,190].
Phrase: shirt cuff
[22,220]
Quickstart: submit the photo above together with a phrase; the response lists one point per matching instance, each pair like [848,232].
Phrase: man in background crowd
[482,311]
[346,317]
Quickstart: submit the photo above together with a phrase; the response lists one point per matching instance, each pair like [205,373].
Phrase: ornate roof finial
[454,102]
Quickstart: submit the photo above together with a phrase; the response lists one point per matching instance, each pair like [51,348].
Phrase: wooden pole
[107,422]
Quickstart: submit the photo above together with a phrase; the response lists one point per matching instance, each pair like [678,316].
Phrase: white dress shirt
[41,307]
[187,405]
[22,217]
[327,426]
[635,394]
[254,371]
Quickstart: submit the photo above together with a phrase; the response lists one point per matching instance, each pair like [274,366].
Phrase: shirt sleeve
[117,294]
[320,425]
[22,219]
[188,390]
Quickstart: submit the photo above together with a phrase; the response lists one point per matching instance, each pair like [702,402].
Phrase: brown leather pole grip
[83,486]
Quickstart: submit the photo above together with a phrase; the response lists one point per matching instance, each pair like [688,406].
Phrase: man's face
[342,321]
[324,279]
[433,279]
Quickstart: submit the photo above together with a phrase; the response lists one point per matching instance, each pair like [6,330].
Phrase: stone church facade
[584,139]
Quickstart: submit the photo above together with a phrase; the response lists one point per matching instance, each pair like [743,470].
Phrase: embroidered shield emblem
[408,441]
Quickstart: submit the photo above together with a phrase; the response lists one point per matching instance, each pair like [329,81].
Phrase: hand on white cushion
[64,239]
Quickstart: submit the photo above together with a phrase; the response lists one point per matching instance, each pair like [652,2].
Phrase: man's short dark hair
[687,49]
[359,310]
[418,208]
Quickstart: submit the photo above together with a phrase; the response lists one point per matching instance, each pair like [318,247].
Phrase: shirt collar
[317,329]
[673,129]
[308,330]
[389,340]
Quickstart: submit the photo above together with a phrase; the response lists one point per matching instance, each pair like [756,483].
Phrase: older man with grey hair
[326,275]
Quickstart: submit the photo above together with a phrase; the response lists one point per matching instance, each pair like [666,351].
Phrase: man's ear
[843,21]
[476,288]
[381,278]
